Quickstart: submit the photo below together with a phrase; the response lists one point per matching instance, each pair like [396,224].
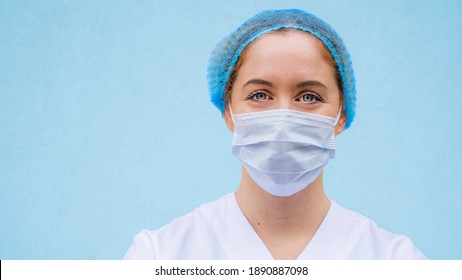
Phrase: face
[286,70]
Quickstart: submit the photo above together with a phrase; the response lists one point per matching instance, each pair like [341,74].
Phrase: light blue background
[106,126]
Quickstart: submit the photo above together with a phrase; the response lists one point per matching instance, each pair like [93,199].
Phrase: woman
[285,85]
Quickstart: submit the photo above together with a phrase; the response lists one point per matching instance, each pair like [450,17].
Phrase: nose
[285,102]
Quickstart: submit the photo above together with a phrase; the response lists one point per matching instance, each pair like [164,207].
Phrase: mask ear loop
[332,151]
[231,111]
[338,115]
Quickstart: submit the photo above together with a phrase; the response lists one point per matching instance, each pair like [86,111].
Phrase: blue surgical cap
[227,52]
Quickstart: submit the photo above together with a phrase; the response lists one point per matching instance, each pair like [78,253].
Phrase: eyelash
[253,94]
[316,96]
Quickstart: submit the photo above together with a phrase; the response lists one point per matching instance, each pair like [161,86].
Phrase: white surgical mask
[283,150]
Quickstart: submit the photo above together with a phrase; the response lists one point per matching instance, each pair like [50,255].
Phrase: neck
[278,219]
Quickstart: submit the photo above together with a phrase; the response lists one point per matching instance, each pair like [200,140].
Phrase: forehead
[289,41]
[287,50]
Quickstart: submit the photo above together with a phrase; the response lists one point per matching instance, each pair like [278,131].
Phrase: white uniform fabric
[219,230]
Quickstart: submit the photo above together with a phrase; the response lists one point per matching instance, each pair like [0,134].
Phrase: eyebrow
[258,82]
[310,83]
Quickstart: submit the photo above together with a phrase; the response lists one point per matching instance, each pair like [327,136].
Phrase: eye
[310,98]
[258,96]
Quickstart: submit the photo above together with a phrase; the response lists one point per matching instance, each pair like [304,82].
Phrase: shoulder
[186,237]
[366,240]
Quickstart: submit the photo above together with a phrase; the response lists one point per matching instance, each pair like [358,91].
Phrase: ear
[340,127]
[228,119]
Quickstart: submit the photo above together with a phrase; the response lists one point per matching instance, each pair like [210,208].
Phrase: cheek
[333,106]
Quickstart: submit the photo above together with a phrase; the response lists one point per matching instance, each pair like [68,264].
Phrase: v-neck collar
[244,239]
[242,242]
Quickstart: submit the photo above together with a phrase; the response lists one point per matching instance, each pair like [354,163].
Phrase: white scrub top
[219,230]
